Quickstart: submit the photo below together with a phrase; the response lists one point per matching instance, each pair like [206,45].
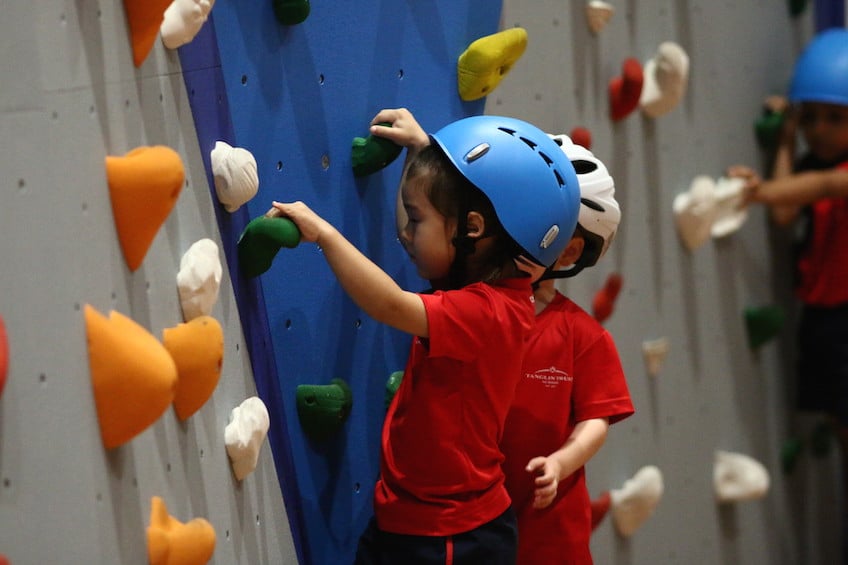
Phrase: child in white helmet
[813,191]
[572,388]
[440,496]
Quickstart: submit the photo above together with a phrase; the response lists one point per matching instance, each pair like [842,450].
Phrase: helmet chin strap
[551,274]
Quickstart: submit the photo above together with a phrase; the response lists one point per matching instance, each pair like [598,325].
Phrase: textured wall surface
[296,97]
[70,96]
[713,392]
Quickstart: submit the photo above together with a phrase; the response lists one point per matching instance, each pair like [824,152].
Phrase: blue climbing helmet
[821,72]
[526,176]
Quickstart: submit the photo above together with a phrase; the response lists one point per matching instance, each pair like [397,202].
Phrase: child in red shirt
[440,497]
[572,388]
[813,191]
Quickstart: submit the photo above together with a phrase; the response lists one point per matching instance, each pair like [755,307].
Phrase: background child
[440,496]
[572,388]
[813,191]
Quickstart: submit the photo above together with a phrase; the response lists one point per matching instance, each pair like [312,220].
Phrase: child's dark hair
[454,196]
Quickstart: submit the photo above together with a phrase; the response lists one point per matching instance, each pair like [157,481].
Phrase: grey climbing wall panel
[713,392]
[70,96]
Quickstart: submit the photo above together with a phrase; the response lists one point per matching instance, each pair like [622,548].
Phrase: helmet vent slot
[592,204]
[582,166]
[558,177]
[531,144]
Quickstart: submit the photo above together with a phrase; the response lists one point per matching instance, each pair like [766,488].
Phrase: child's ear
[476,224]
[572,251]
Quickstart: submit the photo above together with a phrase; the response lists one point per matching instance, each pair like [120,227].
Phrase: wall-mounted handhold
[600,508]
[695,211]
[197,348]
[768,125]
[738,477]
[625,90]
[144,185]
[244,435]
[144,18]
[666,78]
[392,385]
[370,154]
[487,61]
[4,355]
[730,212]
[636,500]
[582,137]
[133,376]
[654,352]
[183,20]
[199,279]
[598,15]
[234,171]
[790,452]
[763,323]
[603,303]
[291,12]
[171,542]
[797,7]
[260,241]
[322,409]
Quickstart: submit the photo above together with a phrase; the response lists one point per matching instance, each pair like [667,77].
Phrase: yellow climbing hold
[487,60]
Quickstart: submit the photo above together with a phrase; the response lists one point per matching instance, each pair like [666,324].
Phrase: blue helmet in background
[821,73]
[529,180]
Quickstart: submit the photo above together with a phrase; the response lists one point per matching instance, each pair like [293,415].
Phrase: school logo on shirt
[551,377]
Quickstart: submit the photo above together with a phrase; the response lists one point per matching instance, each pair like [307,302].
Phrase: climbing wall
[71,96]
[295,96]
[713,392]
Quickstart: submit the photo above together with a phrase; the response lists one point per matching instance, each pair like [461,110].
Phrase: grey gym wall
[70,96]
[713,392]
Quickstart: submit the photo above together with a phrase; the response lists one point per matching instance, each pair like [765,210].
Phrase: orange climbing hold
[133,376]
[487,61]
[144,185]
[197,348]
[604,302]
[170,542]
[626,90]
[144,18]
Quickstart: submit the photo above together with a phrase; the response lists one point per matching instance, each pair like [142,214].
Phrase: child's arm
[367,284]
[406,132]
[586,439]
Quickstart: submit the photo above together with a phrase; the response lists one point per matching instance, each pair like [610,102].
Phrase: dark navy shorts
[493,543]
[823,361]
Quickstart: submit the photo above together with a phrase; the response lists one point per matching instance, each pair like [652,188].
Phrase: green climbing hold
[370,154]
[767,128]
[789,454]
[291,12]
[322,409]
[260,241]
[763,323]
[797,7]
[392,384]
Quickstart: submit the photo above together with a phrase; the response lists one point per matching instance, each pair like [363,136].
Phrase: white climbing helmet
[599,213]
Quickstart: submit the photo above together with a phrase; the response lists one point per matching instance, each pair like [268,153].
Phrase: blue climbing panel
[296,96]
